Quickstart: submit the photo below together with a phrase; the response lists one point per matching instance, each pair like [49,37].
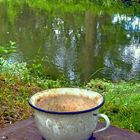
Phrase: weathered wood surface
[26,130]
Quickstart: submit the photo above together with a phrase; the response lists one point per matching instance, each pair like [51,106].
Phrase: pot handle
[106,120]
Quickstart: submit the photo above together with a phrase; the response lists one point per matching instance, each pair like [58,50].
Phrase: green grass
[17,85]
[122,102]
[122,99]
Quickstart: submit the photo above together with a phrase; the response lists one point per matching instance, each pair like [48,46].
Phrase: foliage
[10,48]
[17,84]
[10,70]
[97,6]
[121,102]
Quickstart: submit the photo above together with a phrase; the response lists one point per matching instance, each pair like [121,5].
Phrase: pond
[80,45]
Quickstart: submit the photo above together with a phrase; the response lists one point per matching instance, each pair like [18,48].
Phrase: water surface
[80,45]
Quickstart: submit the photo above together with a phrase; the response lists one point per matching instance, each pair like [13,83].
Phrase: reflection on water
[131,54]
[80,45]
[130,23]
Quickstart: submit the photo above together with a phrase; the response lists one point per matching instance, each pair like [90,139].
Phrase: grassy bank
[17,84]
[122,102]
[72,6]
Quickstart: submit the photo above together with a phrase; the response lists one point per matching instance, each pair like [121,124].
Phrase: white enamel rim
[30,100]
